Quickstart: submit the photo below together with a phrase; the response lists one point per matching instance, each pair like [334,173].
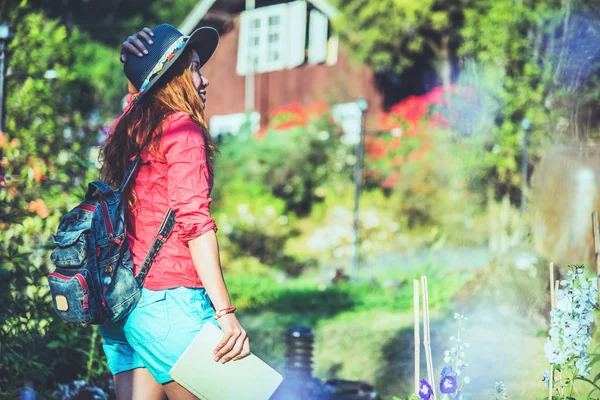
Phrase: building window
[272,38]
[317,37]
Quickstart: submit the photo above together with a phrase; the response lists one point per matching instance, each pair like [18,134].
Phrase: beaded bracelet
[224,311]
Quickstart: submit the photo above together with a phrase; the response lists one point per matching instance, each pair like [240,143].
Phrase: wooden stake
[552,305]
[550,383]
[427,336]
[551,268]
[596,233]
[556,287]
[417,336]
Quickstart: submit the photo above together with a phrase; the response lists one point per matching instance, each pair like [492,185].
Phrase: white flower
[563,303]
[583,366]
[553,353]
[546,378]
[466,380]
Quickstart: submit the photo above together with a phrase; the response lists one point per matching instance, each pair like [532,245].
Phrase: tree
[109,22]
[392,36]
[545,57]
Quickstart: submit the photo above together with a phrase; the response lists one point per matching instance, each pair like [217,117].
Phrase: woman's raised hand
[134,45]
[234,345]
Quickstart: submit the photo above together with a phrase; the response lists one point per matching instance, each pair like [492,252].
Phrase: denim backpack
[94,279]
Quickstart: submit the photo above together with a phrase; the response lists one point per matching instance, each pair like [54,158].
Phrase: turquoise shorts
[157,332]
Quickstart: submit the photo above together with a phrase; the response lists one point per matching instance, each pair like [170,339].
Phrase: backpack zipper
[82,282]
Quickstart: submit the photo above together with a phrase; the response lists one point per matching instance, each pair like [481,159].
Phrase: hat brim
[204,40]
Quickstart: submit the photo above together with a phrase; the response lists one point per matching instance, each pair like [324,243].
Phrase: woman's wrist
[224,311]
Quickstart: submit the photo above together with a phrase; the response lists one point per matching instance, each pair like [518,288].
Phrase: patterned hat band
[168,56]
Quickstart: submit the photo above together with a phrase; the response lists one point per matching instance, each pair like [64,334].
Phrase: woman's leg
[138,384]
[177,392]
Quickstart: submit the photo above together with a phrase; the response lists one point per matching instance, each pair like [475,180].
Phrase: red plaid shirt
[181,179]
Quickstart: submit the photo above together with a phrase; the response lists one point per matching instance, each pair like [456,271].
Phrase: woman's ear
[131,88]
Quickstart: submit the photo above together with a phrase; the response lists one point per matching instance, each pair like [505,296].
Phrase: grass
[363,331]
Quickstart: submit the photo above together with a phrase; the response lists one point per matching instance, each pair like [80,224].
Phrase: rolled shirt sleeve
[189,178]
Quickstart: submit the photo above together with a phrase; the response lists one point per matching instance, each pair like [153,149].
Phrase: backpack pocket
[71,239]
[70,250]
[71,295]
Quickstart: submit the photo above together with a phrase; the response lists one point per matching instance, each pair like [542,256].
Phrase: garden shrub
[45,164]
[265,183]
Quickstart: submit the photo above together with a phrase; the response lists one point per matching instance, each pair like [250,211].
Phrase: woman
[164,123]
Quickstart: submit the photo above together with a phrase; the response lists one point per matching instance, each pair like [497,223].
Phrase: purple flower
[448,384]
[448,371]
[425,390]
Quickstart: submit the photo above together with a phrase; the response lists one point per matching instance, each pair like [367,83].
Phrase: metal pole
[251,59]
[5,37]
[358,172]
[2,83]
[526,125]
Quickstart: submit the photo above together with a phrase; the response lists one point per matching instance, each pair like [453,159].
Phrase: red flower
[376,148]
[412,109]
[295,114]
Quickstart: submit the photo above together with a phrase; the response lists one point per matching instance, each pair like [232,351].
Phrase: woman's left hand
[235,344]
[134,45]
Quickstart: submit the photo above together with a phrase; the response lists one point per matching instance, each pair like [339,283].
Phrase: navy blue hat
[169,44]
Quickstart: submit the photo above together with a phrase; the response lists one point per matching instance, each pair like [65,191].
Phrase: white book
[247,379]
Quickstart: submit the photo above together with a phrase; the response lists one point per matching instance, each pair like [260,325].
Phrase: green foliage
[391,35]
[264,185]
[45,152]
[108,22]
[538,54]
[289,164]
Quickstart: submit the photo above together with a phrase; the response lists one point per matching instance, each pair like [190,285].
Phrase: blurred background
[362,144]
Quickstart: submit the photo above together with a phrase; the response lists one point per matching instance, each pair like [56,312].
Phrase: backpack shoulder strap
[132,166]
[163,234]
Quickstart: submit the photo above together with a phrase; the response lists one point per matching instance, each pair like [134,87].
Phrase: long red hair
[140,128]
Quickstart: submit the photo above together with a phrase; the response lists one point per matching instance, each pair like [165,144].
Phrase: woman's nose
[205,81]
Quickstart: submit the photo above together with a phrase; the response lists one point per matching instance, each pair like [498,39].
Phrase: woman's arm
[205,254]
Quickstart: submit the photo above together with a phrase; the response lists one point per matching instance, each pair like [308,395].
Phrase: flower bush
[571,324]
[452,377]
[264,185]
[44,165]
[295,115]
[331,239]
[404,135]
